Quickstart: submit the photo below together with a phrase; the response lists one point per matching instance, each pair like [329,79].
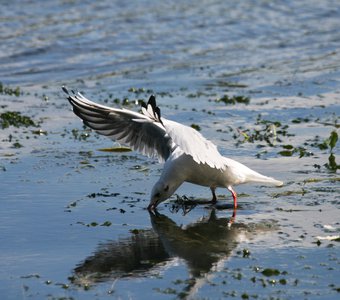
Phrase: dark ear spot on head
[166,188]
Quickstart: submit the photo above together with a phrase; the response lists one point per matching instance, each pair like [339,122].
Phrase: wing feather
[146,132]
[136,130]
[193,143]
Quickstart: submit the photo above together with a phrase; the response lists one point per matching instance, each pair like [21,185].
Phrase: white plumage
[188,156]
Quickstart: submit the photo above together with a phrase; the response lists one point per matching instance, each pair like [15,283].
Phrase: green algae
[232,100]
[196,127]
[6,90]
[16,119]
[270,272]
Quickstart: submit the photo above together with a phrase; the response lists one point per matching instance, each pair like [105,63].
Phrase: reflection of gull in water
[200,244]
[203,246]
[187,154]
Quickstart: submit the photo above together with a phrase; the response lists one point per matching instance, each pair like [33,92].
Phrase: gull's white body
[202,174]
[188,156]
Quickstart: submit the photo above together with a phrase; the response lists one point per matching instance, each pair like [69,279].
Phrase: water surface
[73,221]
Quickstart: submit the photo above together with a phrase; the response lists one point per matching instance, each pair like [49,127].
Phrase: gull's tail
[244,174]
[257,177]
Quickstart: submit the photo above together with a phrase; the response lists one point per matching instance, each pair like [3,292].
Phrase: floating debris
[329,238]
[116,149]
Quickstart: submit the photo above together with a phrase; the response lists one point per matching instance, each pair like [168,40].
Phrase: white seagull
[188,156]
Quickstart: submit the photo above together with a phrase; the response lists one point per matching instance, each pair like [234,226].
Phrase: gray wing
[138,131]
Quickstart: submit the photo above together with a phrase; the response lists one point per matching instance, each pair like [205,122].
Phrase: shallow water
[73,221]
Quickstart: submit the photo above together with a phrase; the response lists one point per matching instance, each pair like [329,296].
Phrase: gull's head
[160,192]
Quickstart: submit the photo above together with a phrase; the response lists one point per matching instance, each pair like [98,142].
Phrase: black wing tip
[69,97]
[64,88]
[152,101]
[158,113]
[156,110]
[67,92]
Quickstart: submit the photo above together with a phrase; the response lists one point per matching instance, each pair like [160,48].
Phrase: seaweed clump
[9,91]
[15,119]
[232,100]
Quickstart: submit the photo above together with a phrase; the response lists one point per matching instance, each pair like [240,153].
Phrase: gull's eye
[157,195]
[166,188]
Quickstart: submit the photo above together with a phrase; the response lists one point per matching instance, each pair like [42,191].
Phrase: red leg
[232,219]
[234,196]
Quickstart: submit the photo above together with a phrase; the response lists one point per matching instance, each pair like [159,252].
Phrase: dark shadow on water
[202,245]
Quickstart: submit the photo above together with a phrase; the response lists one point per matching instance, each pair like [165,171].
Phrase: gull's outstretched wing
[138,131]
[146,132]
